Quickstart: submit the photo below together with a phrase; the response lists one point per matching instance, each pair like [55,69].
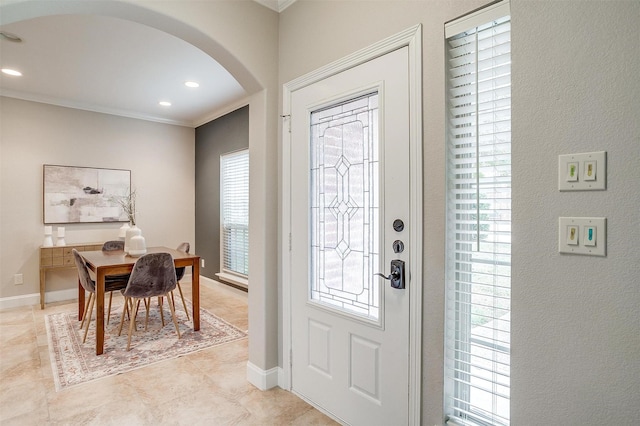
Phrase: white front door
[350,213]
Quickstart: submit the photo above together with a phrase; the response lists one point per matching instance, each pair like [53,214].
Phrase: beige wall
[160,157]
[576,329]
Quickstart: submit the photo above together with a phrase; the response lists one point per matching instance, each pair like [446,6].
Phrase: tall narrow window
[234,217]
[478,218]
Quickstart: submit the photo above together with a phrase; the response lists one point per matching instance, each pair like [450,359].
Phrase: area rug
[74,363]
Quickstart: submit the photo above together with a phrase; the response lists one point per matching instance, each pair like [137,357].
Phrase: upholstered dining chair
[89,286]
[114,245]
[153,274]
[184,247]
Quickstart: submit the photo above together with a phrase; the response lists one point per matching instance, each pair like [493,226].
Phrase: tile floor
[205,388]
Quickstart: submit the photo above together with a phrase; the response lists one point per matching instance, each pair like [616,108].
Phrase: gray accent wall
[223,135]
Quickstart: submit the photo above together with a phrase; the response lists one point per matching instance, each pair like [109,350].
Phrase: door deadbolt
[398,225]
[398,246]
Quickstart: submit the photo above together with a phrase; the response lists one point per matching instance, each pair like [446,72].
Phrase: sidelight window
[477,371]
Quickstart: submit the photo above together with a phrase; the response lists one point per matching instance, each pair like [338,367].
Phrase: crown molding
[276,5]
[91,107]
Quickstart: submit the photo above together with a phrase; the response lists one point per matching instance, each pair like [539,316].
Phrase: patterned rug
[74,363]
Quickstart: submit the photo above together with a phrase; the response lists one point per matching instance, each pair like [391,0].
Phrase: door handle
[397,276]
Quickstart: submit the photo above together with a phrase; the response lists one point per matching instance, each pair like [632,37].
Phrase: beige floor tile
[22,400]
[17,334]
[314,418]
[15,316]
[208,407]
[274,406]
[208,387]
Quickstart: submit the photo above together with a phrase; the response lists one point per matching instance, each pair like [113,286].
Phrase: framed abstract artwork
[84,194]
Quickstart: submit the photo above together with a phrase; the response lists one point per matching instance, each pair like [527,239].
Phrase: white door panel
[350,180]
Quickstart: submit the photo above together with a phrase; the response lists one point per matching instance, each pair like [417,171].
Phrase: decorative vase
[122,234]
[131,232]
[137,246]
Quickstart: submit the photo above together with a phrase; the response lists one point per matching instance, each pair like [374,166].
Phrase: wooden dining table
[103,263]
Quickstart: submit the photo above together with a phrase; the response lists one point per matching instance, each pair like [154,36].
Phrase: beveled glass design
[344,193]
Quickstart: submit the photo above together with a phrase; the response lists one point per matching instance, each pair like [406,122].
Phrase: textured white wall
[575,320]
[576,327]
[160,157]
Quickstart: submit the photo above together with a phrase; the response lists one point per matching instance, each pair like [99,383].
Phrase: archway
[261,86]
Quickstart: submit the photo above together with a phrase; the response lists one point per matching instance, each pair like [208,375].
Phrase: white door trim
[412,38]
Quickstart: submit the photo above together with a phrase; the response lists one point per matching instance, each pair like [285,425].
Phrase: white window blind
[234,212]
[479,220]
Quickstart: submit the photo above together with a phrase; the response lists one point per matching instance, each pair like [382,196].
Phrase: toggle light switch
[572,172]
[582,235]
[589,170]
[590,236]
[572,235]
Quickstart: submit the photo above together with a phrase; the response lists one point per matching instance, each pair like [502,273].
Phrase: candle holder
[60,241]
[48,240]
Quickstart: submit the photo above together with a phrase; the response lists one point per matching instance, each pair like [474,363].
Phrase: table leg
[99,311]
[195,293]
[80,301]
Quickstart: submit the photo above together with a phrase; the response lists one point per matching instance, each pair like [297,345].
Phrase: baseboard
[282,380]
[262,379]
[233,279]
[34,298]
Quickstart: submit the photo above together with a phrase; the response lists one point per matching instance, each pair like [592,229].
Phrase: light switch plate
[592,243]
[582,172]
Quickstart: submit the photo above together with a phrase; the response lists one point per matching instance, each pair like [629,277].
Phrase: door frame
[411,38]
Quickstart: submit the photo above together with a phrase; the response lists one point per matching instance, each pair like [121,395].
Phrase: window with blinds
[234,214]
[477,373]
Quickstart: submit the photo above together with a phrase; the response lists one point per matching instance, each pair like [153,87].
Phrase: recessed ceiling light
[9,71]
[165,103]
[10,37]
[191,84]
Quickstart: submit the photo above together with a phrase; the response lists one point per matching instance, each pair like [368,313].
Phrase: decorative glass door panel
[349,179]
[345,203]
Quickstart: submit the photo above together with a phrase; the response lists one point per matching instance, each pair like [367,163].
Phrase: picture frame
[73,194]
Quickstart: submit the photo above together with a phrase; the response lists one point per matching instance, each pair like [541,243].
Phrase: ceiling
[115,66]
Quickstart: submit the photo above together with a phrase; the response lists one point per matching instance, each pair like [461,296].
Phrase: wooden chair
[184,247]
[121,280]
[89,286]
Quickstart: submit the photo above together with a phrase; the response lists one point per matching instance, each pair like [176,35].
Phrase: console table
[60,257]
